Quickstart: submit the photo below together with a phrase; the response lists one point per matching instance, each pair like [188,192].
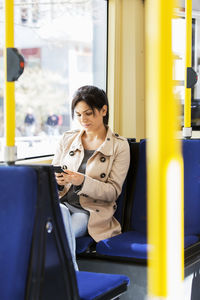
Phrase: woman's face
[89,120]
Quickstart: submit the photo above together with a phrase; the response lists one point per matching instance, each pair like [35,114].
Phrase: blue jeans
[75,226]
[79,224]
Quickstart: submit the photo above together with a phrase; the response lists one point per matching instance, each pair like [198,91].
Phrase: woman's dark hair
[93,97]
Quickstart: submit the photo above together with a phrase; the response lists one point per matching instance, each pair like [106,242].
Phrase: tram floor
[137,274]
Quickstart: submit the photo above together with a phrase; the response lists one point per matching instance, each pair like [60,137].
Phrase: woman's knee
[79,224]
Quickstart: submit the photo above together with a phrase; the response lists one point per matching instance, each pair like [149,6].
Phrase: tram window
[64,44]
[178,44]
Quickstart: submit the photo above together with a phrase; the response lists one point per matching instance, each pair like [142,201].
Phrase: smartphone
[59,169]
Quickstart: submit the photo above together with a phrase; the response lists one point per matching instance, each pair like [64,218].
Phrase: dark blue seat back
[139,214]
[35,260]
[191,158]
[121,204]
[191,155]
[127,187]
[51,270]
[18,188]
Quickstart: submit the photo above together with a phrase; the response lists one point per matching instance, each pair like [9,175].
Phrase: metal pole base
[187,132]
[10,154]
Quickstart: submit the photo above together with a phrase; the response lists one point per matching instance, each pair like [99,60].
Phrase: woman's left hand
[72,177]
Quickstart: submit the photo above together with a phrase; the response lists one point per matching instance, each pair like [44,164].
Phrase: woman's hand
[59,178]
[69,177]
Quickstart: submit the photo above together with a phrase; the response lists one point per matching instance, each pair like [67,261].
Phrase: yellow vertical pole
[187,130]
[9,94]
[164,159]
[114,62]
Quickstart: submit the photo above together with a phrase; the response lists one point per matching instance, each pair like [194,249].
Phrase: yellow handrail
[188,62]
[9,94]
[164,160]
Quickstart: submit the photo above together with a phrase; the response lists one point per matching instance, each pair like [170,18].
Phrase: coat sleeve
[111,189]
[57,161]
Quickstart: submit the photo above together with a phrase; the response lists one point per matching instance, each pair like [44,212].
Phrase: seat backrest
[122,199]
[51,270]
[191,157]
[18,186]
[35,260]
[119,213]
[138,218]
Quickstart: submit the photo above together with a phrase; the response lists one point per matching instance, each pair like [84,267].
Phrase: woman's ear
[104,110]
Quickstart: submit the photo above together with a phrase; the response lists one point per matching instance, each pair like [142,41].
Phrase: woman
[97,162]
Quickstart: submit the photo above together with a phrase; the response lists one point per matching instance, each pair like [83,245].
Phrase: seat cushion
[190,240]
[18,186]
[131,244]
[83,243]
[93,285]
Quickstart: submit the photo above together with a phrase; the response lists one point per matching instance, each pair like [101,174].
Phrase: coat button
[102,175]
[97,210]
[71,153]
[108,139]
[95,201]
[116,134]
[85,195]
[102,159]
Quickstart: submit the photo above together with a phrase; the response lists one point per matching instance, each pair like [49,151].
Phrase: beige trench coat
[105,172]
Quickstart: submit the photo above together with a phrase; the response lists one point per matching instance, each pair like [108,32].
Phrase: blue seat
[18,200]
[83,244]
[133,243]
[35,259]
[100,285]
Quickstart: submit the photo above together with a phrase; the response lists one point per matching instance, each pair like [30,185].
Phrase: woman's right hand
[68,176]
[59,178]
